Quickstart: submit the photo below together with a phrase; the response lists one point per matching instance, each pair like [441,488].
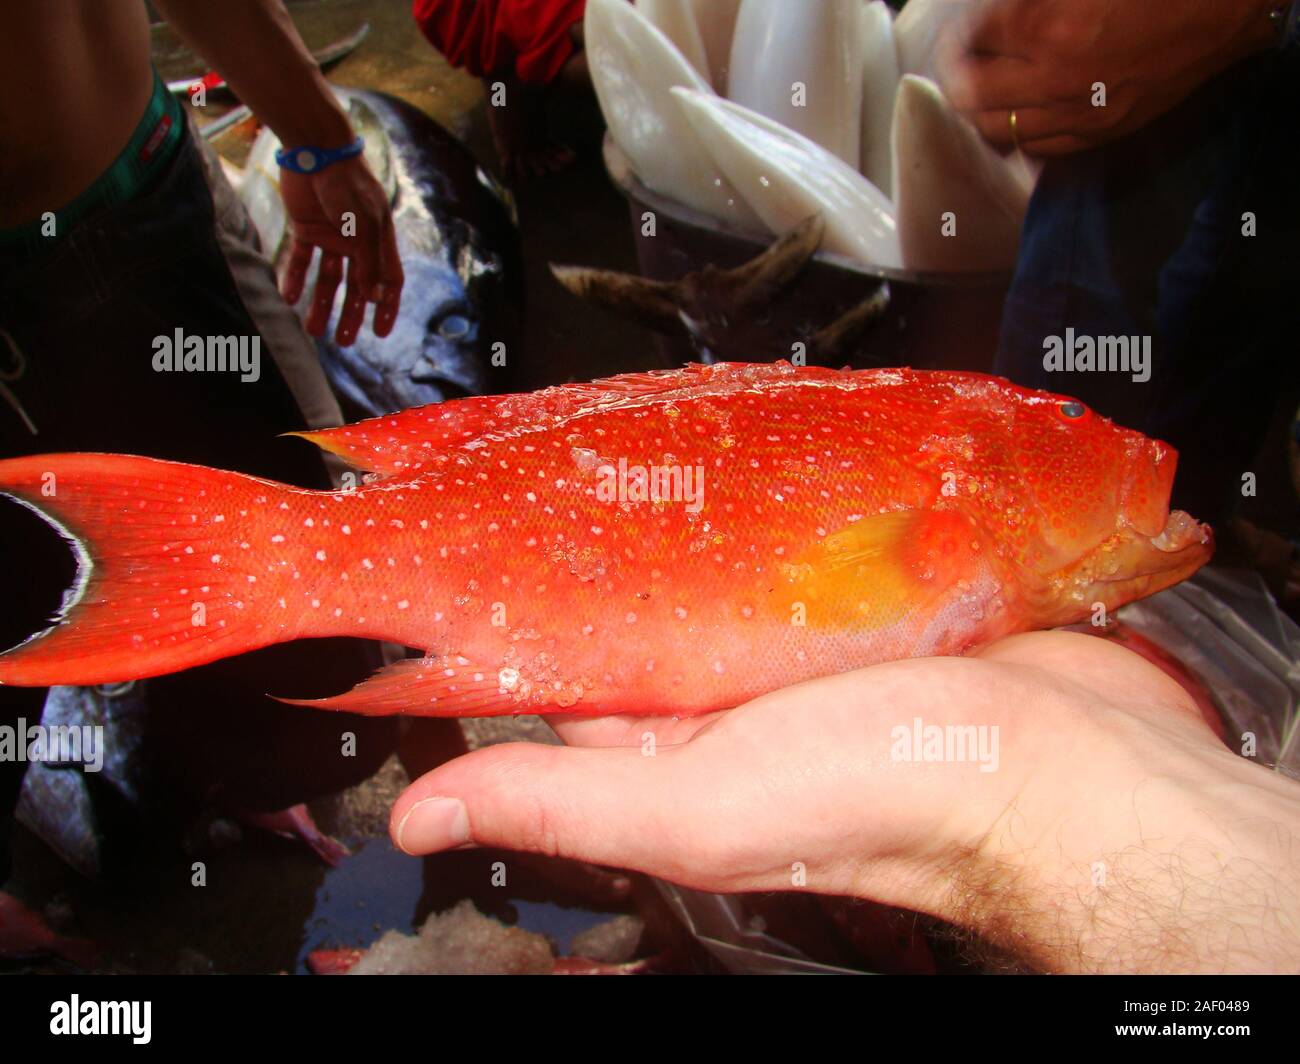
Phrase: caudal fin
[169,576]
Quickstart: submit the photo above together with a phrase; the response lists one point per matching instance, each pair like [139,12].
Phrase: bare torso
[74,82]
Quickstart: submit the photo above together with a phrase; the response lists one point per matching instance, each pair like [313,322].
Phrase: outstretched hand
[343,211]
[1092,796]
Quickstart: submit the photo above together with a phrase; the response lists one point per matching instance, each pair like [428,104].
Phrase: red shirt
[527,37]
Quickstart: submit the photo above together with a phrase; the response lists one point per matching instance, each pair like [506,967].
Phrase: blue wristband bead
[306,159]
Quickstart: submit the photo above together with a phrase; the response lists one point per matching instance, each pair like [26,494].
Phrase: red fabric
[491,37]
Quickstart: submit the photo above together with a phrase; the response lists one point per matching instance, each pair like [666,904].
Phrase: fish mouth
[1137,566]
[1129,566]
[1182,533]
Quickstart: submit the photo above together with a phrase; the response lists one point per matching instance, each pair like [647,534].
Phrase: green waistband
[153,144]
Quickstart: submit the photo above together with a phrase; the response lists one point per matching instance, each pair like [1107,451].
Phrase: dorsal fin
[407,442]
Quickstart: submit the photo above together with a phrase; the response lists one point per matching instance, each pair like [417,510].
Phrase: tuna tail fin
[162,581]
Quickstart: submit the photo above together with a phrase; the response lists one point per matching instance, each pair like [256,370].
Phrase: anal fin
[449,686]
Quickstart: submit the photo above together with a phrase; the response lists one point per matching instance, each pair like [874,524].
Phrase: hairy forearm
[1194,871]
[254,45]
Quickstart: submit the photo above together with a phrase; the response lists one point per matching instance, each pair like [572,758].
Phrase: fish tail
[168,574]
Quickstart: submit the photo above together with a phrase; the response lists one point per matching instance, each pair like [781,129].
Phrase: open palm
[805,787]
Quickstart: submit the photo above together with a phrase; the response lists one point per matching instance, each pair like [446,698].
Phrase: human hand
[1102,763]
[317,205]
[1043,59]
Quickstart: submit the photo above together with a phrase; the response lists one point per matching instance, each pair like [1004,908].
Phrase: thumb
[614,807]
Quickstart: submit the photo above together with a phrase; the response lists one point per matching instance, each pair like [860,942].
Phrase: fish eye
[454,327]
[1072,410]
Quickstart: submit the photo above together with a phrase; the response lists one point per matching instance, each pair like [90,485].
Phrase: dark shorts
[83,317]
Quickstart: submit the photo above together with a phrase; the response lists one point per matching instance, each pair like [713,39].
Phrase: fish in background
[555,552]
[880,74]
[717,22]
[944,170]
[634,66]
[459,250]
[801,65]
[26,934]
[677,20]
[806,81]
[786,178]
[916,31]
[75,811]
[726,315]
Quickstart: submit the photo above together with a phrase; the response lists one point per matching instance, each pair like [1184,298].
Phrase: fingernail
[432,825]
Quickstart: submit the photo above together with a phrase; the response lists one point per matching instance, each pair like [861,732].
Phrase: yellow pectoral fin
[876,571]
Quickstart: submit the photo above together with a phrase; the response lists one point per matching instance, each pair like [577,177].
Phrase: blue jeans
[1144,237]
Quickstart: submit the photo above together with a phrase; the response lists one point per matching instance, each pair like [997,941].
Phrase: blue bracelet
[309,160]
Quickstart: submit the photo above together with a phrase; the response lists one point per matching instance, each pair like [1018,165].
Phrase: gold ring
[1014,138]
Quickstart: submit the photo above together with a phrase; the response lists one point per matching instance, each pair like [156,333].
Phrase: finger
[387,295]
[999,27]
[295,270]
[354,308]
[976,83]
[627,730]
[608,807]
[323,236]
[327,283]
[950,54]
[1032,124]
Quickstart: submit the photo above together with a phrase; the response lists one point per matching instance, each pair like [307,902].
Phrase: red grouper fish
[659,543]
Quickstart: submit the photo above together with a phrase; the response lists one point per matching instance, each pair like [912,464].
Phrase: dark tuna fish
[460,252]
